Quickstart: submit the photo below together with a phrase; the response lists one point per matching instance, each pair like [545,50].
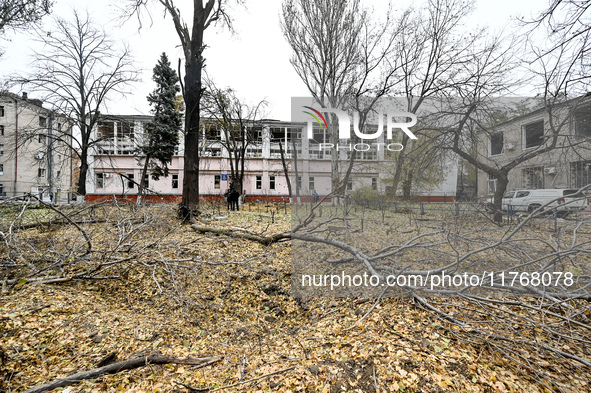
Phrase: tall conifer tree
[161,135]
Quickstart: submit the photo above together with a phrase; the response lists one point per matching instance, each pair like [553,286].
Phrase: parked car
[504,202]
[563,200]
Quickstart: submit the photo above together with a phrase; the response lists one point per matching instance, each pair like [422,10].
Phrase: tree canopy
[77,71]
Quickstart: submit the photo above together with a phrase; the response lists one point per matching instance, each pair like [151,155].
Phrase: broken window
[534,134]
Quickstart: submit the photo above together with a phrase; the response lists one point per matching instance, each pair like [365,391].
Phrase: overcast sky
[254,61]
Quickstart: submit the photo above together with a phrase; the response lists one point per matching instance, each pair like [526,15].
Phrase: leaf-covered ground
[200,294]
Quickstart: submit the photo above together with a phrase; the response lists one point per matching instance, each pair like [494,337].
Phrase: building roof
[24,98]
[586,97]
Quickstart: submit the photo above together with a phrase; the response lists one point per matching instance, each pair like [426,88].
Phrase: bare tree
[191,38]
[425,163]
[239,123]
[432,50]
[560,74]
[340,53]
[343,58]
[78,70]
[22,14]
[565,28]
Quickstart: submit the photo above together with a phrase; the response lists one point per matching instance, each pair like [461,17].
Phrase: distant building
[115,170]
[35,154]
[568,165]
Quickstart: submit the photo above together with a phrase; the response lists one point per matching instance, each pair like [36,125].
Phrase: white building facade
[115,167]
[566,165]
[35,150]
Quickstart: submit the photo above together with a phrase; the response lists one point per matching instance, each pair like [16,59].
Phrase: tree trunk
[296,174]
[193,49]
[285,170]
[407,186]
[398,169]
[241,171]
[334,161]
[83,171]
[502,183]
[192,122]
[142,188]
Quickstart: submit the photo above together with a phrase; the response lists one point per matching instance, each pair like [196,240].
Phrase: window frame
[586,112]
[491,145]
[99,180]
[525,131]
[130,181]
[580,173]
[527,176]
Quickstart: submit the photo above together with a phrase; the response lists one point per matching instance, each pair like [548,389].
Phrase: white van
[563,200]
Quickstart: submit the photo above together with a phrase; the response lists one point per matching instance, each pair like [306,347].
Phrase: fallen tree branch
[30,280]
[56,279]
[58,222]
[65,216]
[254,379]
[120,366]
[264,240]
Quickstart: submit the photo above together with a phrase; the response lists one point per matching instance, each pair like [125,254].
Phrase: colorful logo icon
[315,115]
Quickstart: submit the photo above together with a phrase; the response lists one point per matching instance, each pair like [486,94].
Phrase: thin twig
[255,379]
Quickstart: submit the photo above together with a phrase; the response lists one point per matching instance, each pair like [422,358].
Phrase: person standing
[227,197]
[234,196]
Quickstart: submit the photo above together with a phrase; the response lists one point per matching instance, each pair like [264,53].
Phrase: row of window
[273,182]
[217,182]
[313,153]
[125,130]
[42,120]
[533,177]
[129,180]
[42,172]
[533,133]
